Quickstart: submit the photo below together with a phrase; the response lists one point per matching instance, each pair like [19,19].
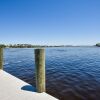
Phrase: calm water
[73,73]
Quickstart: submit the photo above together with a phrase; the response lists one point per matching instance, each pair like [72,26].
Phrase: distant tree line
[36,46]
[30,46]
[20,46]
[2,45]
[98,44]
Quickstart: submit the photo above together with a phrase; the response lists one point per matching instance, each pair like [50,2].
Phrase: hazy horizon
[46,44]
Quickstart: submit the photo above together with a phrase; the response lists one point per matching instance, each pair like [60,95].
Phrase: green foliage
[20,46]
[2,45]
[98,44]
[30,46]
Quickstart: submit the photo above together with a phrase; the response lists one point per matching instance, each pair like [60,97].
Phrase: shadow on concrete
[29,88]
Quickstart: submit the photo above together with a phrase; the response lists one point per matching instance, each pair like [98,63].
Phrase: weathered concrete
[12,88]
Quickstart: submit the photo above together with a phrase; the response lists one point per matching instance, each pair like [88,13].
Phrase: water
[73,73]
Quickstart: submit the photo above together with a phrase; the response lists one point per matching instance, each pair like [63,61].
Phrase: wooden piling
[1,58]
[40,70]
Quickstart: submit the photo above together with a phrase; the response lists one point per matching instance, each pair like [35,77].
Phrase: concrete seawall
[12,88]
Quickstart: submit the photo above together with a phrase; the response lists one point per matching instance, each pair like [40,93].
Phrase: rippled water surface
[73,73]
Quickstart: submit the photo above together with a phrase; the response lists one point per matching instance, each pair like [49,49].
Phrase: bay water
[72,73]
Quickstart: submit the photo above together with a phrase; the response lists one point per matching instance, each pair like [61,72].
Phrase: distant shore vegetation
[28,46]
[40,46]
[98,44]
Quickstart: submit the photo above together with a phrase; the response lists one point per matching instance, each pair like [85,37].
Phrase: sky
[50,22]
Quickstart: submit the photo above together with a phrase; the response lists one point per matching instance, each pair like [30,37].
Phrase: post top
[39,48]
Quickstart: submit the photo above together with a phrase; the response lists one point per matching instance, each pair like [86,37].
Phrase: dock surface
[12,88]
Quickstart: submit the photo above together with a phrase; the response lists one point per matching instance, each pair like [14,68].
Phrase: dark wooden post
[40,70]
[1,58]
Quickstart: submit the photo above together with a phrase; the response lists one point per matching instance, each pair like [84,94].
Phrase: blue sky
[50,22]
